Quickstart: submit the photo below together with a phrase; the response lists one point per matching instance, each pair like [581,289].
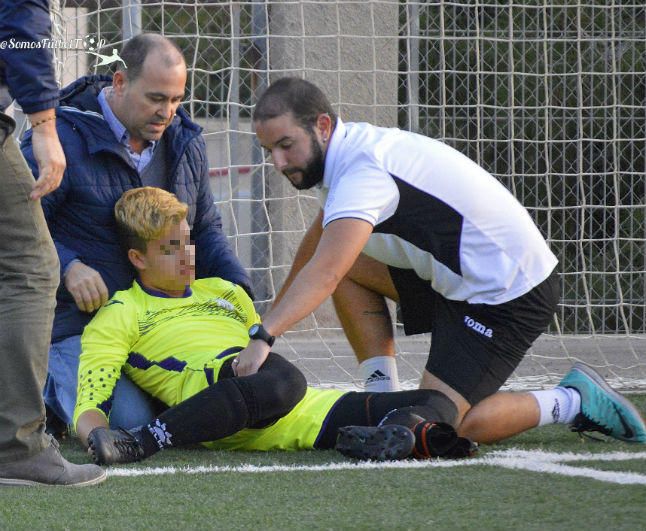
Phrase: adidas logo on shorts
[377,376]
[477,327]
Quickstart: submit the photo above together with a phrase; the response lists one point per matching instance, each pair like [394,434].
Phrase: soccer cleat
[463,447]
[377,443]
[404,416]
[439,439]
[108,447]
[602,408]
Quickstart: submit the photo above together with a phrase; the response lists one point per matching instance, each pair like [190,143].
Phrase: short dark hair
[293,95]
[136,50]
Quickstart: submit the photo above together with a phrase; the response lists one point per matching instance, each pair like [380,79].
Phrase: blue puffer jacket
[28,72]
[80,212]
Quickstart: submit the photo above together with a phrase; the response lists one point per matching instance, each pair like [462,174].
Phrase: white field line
[534,461]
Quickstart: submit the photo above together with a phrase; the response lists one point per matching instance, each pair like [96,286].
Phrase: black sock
[147,439]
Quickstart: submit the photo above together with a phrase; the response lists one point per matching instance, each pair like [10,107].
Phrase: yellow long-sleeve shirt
[174,347]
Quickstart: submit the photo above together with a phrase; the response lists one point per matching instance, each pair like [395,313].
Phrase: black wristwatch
[257,331]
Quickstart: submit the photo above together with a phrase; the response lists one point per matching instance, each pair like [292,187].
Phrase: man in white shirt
[411,219]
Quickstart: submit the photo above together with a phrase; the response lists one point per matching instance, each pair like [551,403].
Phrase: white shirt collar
[336,145]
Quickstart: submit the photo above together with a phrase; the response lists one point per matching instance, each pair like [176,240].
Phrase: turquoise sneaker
[602,408]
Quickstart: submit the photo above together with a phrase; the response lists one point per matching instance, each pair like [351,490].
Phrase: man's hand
[251,358]
[86,286]
[48,153]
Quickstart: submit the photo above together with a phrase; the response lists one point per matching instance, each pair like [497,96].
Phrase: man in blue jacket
[119,134]
[28,264]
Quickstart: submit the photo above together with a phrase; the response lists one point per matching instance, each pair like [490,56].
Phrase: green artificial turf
[462,497]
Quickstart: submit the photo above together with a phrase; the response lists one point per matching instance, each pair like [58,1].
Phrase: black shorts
[474,347]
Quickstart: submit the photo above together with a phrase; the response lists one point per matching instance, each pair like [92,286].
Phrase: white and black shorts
[474,347]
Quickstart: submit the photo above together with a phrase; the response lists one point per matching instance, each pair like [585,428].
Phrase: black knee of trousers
[215,412]
[273,391]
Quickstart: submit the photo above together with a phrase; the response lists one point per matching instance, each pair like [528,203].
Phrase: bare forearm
[304,295]
[304,253]
[48,153]
[87,421]
[337,249]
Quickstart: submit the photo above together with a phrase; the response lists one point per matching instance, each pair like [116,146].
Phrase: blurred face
[168,265]
[297,153]
[147,105]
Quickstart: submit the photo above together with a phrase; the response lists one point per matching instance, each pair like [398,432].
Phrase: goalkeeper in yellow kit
[177,338]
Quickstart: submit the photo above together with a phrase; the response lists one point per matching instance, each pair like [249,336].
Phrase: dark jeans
[29,274]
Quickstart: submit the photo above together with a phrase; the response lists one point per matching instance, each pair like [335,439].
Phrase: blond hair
[143,214]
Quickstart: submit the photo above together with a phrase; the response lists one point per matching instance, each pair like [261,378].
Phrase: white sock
[557,406]
[379,374]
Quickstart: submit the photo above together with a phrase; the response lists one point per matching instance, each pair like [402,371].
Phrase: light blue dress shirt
[140,160]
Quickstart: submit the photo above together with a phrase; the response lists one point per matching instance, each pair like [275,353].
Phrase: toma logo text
[478,327]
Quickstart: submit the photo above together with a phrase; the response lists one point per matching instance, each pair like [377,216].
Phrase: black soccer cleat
[109,447]
[377,443]
[463,447]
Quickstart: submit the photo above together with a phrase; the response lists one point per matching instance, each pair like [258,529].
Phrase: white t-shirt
[435,211]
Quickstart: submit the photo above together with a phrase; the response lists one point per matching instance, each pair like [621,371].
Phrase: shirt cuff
[69,265]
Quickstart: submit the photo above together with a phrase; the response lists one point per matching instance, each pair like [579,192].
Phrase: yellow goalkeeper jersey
[170,347]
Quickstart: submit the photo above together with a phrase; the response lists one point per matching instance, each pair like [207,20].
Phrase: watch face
[256,331]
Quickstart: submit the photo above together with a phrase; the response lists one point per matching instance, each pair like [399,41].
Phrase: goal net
[549,96]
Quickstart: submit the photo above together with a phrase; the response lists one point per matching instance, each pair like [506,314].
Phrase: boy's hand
[251,358]
[86,286]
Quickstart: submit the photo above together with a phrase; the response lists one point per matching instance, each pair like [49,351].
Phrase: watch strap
[259,332]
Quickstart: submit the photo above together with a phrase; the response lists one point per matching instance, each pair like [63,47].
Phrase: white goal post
[547,95]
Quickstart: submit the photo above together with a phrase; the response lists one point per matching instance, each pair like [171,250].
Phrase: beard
[312,173]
